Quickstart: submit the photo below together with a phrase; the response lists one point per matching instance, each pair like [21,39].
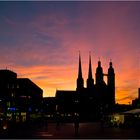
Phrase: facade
[49,106]
[94,101]
[66,101]
[18,96]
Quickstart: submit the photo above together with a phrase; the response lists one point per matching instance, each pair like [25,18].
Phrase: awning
[133,111]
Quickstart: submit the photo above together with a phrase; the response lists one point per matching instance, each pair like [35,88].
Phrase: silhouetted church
[92,102]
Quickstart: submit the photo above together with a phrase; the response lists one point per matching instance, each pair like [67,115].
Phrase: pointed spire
[90,68]
[80,81]
[90,81]
[80,67]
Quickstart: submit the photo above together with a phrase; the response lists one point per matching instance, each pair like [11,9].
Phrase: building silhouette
[136,102]
[90,102]
[18,96]
[49,106]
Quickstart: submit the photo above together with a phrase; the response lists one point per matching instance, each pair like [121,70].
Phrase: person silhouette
[76,124]
[57,121]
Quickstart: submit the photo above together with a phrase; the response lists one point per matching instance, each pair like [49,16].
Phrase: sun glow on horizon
[53,78]
[41,40]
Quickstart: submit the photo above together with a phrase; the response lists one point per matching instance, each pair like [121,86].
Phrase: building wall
[18,94]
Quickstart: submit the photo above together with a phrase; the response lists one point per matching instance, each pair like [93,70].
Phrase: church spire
[90,81]
[80,81]
[111,83]
[80,67]
[111,74]
[90,69]
[99,73]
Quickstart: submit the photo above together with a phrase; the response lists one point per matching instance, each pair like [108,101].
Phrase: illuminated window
[76,101]
[23,96]
[29,97]
[69,115]
[8,104]
[13,94]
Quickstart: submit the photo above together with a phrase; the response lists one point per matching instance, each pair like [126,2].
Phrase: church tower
[90,81]
[111,83]
[80,81]
[99,74]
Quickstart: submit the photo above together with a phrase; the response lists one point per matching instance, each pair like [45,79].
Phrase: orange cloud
[45,49]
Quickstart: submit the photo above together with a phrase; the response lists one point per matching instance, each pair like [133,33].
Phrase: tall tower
[111,83]
[90,81]
[99,73]
[80,81]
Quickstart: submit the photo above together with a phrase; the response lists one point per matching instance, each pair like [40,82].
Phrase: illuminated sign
[12,108]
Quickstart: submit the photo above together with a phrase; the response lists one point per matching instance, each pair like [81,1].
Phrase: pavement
[87,130]
[92,130]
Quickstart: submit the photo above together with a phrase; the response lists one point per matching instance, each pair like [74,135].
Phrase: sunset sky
[41,40]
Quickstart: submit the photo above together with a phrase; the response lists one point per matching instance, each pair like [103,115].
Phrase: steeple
[99,73]
[80,81]
[90,69]
[111,75]
[80,67]
[111,84]
[110,70]
[90,81]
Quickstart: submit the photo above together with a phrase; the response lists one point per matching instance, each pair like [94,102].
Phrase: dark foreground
[67,130]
